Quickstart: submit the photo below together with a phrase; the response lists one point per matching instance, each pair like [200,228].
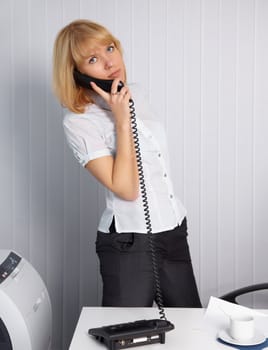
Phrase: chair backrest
[231,296]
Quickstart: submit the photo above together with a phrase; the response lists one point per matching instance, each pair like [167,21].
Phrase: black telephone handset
[84,81]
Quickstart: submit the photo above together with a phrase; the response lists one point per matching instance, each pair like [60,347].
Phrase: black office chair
[231,296]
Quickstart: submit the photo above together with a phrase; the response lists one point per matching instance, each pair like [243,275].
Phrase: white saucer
[258,338]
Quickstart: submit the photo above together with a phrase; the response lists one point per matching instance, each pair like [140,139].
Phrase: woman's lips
[115,74]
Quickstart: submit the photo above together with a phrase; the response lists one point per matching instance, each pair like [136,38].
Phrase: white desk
[188,333]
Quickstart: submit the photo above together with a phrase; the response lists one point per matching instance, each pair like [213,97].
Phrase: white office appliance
[25,308]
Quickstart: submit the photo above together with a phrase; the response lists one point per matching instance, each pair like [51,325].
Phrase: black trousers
[127,274]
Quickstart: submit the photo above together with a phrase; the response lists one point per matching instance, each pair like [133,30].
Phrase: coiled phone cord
[84,81]
[159,297]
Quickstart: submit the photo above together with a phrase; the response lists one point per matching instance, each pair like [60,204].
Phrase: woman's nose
[108,64]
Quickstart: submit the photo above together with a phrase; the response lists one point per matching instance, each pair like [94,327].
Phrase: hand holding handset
[85,80]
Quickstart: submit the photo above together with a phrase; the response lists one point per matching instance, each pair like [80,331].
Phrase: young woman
[98,130]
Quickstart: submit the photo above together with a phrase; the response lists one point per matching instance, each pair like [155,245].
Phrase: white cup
[242,327]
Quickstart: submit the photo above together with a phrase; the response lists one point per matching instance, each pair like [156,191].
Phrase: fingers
[114,88]
[114,95]
[124,92]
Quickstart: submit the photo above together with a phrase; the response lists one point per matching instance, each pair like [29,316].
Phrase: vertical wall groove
[236,140]
[30,128]
[46,140]
[254,143]
[218,145]
[183,98]
[12,117]
[166,60]
[149,47]
[201,139]
[132,37]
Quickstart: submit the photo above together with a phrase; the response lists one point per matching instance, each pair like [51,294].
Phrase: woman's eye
[92,60]
[110,48]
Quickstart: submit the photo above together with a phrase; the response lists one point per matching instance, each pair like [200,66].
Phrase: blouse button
[159,155]
[165,175]
[171,196]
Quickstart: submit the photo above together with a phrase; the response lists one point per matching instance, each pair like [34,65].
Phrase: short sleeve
[85,139]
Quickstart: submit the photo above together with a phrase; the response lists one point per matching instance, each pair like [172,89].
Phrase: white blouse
[92,135]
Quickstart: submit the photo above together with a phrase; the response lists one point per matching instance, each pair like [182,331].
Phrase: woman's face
[103,62]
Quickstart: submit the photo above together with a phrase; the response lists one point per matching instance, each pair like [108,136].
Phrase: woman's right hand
[118,101]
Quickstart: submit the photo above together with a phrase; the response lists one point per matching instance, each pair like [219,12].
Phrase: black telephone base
[128,335]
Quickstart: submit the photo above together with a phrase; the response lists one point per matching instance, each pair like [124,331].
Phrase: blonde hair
[68,52]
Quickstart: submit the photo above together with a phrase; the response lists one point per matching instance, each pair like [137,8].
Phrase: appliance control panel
[8,266]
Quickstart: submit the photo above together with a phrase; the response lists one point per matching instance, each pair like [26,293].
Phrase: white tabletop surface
[189,332]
